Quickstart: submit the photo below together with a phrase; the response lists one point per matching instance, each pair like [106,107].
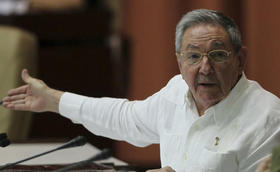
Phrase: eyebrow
[218,44]
[190,46]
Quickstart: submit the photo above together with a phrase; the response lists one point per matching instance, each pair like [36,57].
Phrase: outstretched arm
[35,96]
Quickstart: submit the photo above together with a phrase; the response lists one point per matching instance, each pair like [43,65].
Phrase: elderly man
[208,118]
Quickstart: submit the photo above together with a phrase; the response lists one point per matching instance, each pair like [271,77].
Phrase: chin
[210,100]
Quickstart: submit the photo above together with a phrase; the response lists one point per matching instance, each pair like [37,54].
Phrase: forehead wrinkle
[197,35]
[191,46]
[204,37]
[217,39]
[211,44]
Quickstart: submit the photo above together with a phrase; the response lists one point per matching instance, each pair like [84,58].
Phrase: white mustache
[202,79]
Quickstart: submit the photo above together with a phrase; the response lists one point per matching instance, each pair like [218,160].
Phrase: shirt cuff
[69,106]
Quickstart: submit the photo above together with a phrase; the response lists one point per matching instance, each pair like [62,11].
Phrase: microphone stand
[78,141]
[104,154]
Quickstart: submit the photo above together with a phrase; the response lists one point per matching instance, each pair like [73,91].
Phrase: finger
[264,165]
[26,77]
[19,90]
[152,170]
[5,104]
[16,105]
[164,169]
[22,107]
[5,99]
[168,169]
[18,102]
[14,98]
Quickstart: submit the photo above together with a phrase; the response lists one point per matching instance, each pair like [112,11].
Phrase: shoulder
[257,107]
[263,106]
[259,121]
[175,90]
[176,82]
[262,98]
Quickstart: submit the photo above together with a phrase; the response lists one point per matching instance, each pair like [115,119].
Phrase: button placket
[192,136]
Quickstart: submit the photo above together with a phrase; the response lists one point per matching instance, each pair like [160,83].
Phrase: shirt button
[196,127]
[185,156]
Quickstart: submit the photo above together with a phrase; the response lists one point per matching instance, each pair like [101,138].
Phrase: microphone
[4,141]
[77,141]
[3,136]
[104,154]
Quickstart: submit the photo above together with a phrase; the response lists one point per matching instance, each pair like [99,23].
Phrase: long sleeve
[120,119]
[137,122]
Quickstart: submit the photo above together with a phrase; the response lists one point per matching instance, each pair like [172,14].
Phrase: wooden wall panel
[262,38]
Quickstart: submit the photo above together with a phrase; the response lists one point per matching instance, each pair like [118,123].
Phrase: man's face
[209,81]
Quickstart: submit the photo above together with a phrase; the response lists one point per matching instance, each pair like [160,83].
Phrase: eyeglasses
[217,56]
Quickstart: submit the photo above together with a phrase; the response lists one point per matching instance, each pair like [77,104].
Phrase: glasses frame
[202,54]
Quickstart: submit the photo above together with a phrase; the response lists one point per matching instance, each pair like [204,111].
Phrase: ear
[242,56]
[179,62]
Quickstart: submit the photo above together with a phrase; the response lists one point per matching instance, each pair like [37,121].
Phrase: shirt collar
[223,111]
[176,90]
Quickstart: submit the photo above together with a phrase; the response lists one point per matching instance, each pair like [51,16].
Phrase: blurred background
[116,48]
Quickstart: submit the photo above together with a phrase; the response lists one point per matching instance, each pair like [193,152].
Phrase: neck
[201,109]
[203,106]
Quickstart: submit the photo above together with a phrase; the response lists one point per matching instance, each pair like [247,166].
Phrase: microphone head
[77,141]
[4,142]
[3,136]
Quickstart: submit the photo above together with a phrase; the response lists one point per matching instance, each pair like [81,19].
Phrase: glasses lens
[192,57]
[218,55]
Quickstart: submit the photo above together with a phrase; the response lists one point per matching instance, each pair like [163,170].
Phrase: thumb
[25,76]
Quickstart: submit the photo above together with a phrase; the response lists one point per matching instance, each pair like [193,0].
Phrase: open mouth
[207,84]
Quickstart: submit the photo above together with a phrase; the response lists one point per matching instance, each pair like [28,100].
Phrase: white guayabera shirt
[233,135]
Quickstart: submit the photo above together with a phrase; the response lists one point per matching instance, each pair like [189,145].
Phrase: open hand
[35,96]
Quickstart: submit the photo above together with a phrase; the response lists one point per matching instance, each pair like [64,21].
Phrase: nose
[205,66]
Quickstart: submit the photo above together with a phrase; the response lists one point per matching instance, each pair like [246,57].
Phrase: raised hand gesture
[35,96]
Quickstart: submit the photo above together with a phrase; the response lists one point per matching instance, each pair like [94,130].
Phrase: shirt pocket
[211,161]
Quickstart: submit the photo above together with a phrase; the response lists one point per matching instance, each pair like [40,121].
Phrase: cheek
[189,75]
[227,75]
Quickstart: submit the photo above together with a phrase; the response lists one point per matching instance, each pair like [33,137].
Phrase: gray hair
[204,16]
